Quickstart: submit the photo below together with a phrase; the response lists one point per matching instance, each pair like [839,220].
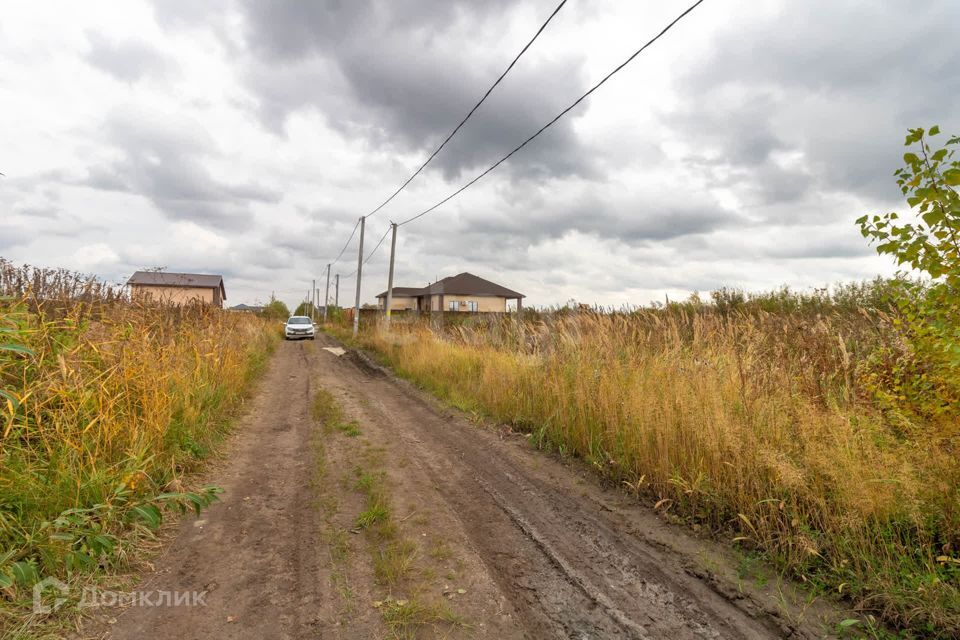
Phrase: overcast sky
[246,138]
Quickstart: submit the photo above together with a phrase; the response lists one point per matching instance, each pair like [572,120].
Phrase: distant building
[460,293]
[177,288]
[245,308]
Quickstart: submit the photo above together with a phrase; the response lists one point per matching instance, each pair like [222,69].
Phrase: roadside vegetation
[819,430]
[105,405]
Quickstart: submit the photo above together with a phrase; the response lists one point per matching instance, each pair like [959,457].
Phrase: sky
[246,138]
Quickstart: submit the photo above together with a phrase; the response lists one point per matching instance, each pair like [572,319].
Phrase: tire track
[570,565]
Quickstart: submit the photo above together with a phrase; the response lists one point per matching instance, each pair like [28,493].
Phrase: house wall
[399,303]
[174,295]
[485,304]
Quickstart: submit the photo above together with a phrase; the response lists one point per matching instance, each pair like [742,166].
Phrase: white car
[298,327]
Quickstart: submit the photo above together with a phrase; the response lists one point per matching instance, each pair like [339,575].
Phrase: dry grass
[762,426]
[106,404]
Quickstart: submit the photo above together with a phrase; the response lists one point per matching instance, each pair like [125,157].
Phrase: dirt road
[501,540]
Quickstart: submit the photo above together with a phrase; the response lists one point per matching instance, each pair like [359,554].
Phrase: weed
[394,562]
[351,429]
[326,410]
[366,482]
[373,514]
[337,541]
[750,567]
[104,405]
[440,551]
[404,618]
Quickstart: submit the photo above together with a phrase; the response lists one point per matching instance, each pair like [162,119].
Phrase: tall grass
[764,427]
[105,404]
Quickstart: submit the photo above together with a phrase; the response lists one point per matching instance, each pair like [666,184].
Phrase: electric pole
[326,296]
[393,250]
[356,306]
[313,304]
[336,293]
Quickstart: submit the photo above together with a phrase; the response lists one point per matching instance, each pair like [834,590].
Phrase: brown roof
[403,292]
[181,280]
[462,284]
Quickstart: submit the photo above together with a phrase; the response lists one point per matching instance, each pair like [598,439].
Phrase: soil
[515,542]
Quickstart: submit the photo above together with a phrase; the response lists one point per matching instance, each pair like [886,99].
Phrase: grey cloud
[190,13]
[163,161]
[127,61]
[39,211]
[13,236]
[734,144]
[397,74]
[519,242]
[305,246]
[836,80]
[296,28]
[817,244]
[633,218]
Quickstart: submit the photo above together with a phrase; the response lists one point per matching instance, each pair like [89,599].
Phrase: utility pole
[356,306]
[326,296]
[313,304]
[393,251]
[336,293]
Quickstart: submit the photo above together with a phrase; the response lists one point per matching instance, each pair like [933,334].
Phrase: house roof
[181,280]
[403,292]
[460,284]
[245,307]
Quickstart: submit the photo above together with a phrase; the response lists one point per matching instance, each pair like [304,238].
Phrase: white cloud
[92,257]
[246,139]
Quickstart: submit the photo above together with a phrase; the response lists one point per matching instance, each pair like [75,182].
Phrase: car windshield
[299,320]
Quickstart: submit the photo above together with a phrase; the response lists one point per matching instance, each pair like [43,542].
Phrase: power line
[370,255]
[470,113]
[560,115]
[379,242]
[346,244]
[449,137]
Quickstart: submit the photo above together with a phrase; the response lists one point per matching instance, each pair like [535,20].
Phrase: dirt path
[502,541]
[255,551]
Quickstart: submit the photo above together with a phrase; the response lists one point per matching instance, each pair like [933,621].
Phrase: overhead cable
[554,120]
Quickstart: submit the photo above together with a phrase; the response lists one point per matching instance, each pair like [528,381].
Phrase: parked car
[299,327]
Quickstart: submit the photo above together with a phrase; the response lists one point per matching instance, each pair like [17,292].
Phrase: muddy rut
[538,547]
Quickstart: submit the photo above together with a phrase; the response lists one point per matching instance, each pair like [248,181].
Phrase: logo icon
[49,583]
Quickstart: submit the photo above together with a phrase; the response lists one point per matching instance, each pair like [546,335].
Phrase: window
[472,305]
[454,305]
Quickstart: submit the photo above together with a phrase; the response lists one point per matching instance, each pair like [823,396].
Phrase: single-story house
[464,292]
[177,288]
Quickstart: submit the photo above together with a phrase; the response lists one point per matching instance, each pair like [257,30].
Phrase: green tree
[275,310]
[926,377]
[932,243]
[304,309]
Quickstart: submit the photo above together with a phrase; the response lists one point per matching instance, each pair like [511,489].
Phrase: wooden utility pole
[521,331]
[356,305]
[313,304]
[393,250]
[326,296]
[336,293]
